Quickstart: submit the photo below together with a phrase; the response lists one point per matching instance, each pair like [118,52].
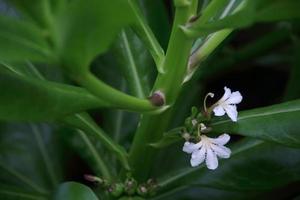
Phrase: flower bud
[142,190]
[116,189]
[130,186]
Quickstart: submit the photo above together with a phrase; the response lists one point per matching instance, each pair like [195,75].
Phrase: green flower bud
[142,190]
[130,186]
[116,189]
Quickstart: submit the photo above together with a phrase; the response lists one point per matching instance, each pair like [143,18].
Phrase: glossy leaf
[85,123]
[134,62]
[13,193]
[22,41]
[278,123]
[24,98]
[34,10]
[254,165]
[74,191]
[90,149]
[32,168]
[87,29]
[204,193]
[250,11]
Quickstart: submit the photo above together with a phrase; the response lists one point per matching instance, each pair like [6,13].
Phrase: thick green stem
[152,127]
[114,96]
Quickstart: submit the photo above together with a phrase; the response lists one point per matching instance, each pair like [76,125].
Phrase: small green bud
[142,190]
[116,189]
[130,186]
[152,187]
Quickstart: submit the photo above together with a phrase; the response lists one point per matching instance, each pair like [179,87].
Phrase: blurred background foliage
[261,61]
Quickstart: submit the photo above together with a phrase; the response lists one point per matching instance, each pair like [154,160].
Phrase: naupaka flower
[227,104]
[208,150]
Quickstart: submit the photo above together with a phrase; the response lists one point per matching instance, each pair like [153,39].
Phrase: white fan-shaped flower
[208,149]
[227,104]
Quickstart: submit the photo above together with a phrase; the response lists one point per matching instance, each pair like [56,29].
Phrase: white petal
[231,112]
[234,98]
[226,95]
[219,111]
[190,147]
[221,140]
[211,159]
[221,151]
[198,157]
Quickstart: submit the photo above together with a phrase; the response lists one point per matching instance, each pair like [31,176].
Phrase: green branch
[113,96]
[151,128]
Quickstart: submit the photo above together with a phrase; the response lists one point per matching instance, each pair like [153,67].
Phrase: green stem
[152,127]
[147,36]
[101,164]
[211,10]
[205,50]
[114,96]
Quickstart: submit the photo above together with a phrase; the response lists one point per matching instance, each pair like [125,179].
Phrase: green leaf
[250,11]
[204,193]
[25,98]
[74,191]
[254,165]
[87,28]
[22,41]
[34,10]
[13,193]
[134,62]
[90,149]
[85,123]
[278,123]
[30,160]
[292,90]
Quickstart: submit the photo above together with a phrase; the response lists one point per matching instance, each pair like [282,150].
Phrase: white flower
[208,149]
[227,104]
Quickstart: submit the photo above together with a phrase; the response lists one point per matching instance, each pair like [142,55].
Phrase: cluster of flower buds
[201,147]
[129,187]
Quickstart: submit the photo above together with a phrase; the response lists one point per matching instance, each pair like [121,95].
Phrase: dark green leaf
[24,98]
[74,191]
[204,193]
[85,123]
[250,11]
[20,41]
[30,160]
[87,28]
[278,123]
[254,165]
[135,63]
[292,87]
[13,193]
[35,10]
[157,18]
